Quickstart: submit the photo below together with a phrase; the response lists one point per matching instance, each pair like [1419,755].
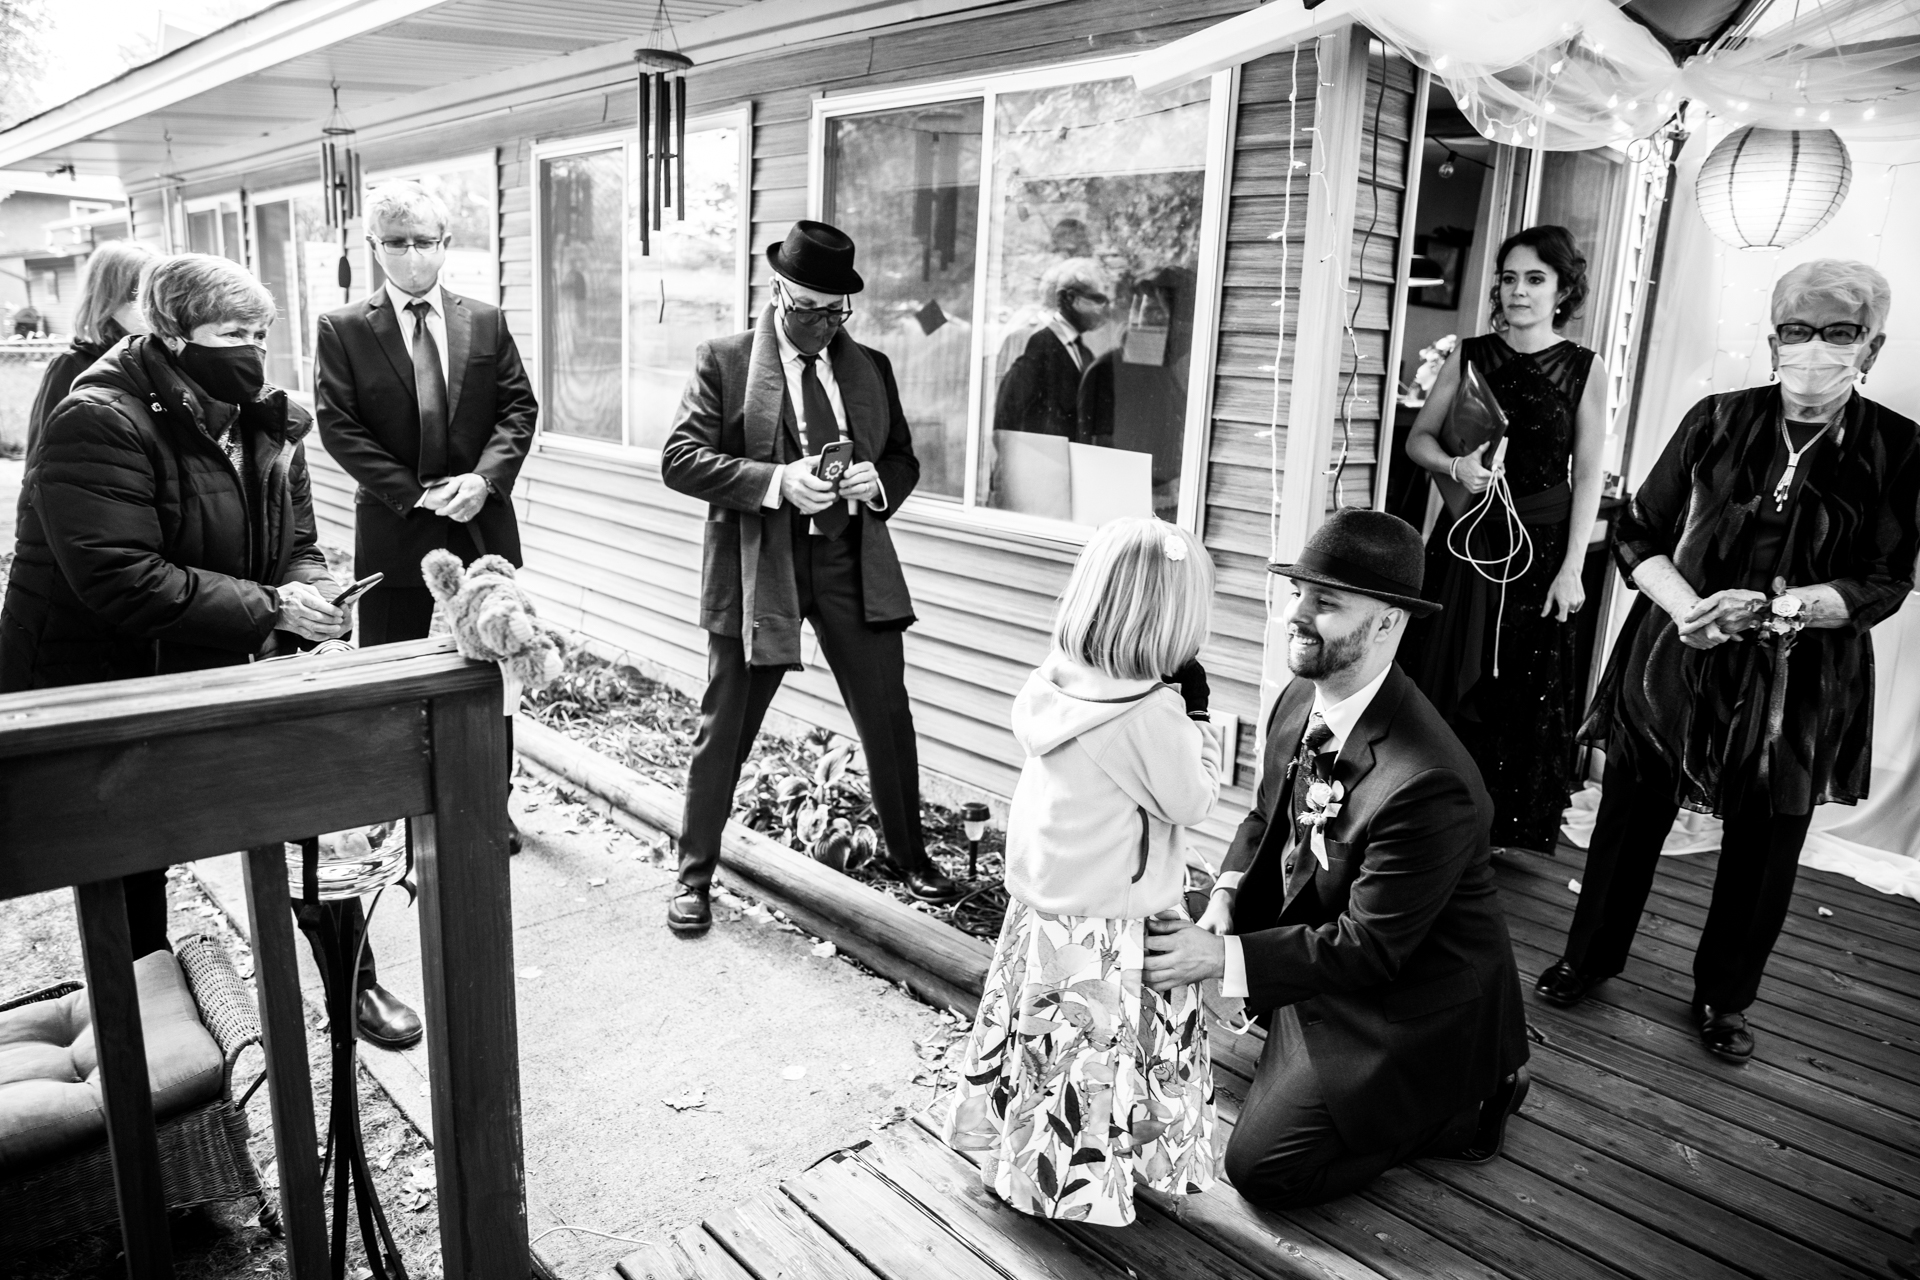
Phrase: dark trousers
[1286,1152]
[870,667]
[1759,858]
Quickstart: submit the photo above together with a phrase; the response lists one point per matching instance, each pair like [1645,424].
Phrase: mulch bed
[810,792]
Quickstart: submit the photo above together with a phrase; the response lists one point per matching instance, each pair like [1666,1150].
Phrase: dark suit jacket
[1395,959]
[1041,391]
[735,425]
[370,422]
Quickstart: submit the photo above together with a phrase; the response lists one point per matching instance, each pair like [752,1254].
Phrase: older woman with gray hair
[167,523]
[1780,525]
[109,310]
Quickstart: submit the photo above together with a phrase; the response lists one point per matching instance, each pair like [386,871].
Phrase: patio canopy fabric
[1569,75]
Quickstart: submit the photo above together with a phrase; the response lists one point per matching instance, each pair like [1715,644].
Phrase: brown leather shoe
[1724,1035]
[690,914]
[382,1018]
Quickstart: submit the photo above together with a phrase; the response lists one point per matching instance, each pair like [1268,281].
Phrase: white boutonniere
[1323,804]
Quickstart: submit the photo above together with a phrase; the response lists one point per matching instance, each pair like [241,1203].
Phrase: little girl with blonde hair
[1077,1078]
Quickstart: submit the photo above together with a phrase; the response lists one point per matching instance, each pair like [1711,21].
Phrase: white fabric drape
[1568,75]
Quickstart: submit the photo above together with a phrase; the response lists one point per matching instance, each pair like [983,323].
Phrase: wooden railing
[99,781]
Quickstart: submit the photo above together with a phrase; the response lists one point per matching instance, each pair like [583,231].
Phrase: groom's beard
[1326,658]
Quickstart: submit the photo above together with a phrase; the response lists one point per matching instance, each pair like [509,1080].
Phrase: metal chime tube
[663,112]
[643,103]
[680,148]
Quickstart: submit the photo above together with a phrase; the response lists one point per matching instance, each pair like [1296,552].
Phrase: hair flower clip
[1175,549]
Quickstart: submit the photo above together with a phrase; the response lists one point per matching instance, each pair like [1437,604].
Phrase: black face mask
[232,374]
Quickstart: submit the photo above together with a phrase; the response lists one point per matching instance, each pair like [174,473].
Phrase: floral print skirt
[1077,1079]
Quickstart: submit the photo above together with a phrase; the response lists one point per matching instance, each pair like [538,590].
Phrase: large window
[213,226]
[618,328]
[1042,328]
[297,257]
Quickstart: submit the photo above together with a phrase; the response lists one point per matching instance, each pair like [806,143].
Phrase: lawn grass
[19,383]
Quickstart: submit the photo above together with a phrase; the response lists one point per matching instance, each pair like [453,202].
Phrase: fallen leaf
[1574,885]
[595,882]
[758,914]
[794,1072]
[688,1101]
[531,972]
[824,950]
[1825,911]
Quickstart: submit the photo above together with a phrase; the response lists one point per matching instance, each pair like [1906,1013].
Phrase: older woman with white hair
[1780,525]
[167,523]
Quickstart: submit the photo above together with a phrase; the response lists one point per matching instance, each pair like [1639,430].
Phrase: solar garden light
[973,816]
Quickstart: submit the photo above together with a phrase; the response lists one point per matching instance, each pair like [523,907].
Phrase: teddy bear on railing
[491,619]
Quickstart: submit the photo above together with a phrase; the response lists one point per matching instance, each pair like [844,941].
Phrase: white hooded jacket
[1114,770]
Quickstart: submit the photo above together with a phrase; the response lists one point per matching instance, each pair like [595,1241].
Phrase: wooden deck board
[1637,1156]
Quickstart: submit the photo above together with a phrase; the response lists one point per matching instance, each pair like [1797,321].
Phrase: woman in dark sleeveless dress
[1501,670]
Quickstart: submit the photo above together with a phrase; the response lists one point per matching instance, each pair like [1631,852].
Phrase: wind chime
[339,182]
[661,98]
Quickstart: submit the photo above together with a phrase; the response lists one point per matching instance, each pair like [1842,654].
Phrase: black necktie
[822,430]
[1308,766]
[430,386]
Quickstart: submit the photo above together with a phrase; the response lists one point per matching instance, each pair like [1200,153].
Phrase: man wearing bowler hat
[1356,913]
[784,544]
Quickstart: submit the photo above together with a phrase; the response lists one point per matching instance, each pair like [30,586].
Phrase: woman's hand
[1468,471]
[305,612]
[1565,596]
[1720,617]
[1217,919]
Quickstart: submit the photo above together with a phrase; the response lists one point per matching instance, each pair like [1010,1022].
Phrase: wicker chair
[203,1150]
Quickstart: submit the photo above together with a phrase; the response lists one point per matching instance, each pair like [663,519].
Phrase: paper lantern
[1769,188]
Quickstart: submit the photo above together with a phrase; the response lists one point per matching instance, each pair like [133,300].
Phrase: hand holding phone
[357,590]
[833,464]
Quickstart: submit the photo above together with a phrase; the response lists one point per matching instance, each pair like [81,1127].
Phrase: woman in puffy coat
[167,523]
[109,310]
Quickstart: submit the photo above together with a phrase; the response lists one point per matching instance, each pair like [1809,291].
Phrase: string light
[1280,328]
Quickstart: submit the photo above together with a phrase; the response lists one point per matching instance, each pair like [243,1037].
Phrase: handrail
[99,781]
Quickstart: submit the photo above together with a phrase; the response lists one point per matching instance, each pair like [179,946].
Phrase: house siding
[611,551]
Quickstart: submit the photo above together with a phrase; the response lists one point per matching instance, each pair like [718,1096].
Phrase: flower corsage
[1323,804]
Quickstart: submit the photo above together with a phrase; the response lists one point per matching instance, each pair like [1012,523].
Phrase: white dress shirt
[1341,719]
[1070,338]
[793,364]
[436,320]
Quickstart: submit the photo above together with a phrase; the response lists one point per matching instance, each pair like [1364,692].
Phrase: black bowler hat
[818,257]
[1370,553]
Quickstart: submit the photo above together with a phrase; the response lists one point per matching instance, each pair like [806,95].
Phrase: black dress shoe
[690,913]
[1562,984]
[930,884]
[513,837]
[383,1019]
[1724,1035]
[1491,1132]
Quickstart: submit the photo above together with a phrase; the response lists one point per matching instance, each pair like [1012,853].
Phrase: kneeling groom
[1358,902]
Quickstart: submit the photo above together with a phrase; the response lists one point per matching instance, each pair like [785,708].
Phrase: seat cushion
[50,1100]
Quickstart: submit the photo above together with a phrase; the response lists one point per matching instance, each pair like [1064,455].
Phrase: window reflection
[906,186]
[582,222]
[1093,257]
[688,289]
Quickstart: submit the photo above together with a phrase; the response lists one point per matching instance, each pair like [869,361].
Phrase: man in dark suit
[783,544]
[422,399]
[1041,390]
[1361,921]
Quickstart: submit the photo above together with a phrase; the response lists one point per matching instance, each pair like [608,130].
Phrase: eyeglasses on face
[1088,295]
[1844,334]
[817,316]
[419,244]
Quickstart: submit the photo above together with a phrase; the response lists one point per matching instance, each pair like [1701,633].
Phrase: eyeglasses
[1097,299]
[815,317]
[1793,333]
[420,245]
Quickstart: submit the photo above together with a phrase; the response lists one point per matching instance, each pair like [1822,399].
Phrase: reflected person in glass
[1041,391]
[1134,395]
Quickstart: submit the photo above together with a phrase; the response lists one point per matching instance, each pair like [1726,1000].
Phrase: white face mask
[1817,372]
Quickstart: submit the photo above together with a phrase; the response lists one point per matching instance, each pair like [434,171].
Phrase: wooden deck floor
[1636,1156]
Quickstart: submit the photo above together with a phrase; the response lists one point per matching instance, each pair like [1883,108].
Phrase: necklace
[1782,489]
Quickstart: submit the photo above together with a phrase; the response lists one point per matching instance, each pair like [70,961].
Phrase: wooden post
[289,1084]
[466,943]
[120,1044]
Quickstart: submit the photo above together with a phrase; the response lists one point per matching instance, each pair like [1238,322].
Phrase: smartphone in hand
[834,461]
[358,589]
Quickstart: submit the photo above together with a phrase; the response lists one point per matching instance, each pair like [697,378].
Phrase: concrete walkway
[795,1054]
